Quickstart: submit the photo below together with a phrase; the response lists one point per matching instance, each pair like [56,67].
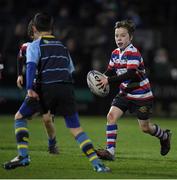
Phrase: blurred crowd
[87,29]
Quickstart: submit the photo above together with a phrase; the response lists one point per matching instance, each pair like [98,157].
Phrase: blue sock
[22,136]
[52,142]
[87,148]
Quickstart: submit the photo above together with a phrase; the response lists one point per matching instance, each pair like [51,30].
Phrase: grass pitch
[137,154]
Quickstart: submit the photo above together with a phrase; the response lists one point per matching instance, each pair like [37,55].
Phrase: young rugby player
[126,68]
[54,80]
[47,120]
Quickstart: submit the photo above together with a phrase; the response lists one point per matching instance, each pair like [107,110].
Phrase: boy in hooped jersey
[126,68]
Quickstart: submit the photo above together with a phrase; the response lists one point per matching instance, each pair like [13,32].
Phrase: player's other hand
[33,94]
[103,82]
[20,81]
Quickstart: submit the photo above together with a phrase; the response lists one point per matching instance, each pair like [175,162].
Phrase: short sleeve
[33,52]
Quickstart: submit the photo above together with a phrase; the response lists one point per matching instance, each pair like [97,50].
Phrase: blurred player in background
[54,80]
[1,66]
[126,68]
[48,120]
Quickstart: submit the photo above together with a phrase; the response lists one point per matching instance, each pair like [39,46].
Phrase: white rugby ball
[93,78]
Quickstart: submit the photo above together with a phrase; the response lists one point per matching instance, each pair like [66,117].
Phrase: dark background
[86,28]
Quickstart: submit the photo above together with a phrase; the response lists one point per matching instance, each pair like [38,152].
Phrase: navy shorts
[59,98]
[142,109]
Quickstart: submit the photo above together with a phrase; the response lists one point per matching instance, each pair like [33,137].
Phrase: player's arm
[110,72]
[129,75]
[20,64]
[33,56]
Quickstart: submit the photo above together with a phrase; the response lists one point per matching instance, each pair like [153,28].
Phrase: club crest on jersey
[143,109]
[46,41]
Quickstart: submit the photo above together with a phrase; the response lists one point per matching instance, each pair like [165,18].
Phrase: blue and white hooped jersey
[53,60]
[130,58]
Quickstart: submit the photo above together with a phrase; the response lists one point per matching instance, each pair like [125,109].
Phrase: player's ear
[131,37]
[34,29]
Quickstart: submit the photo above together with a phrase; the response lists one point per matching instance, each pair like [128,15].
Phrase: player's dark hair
[30,30]
[128,24]
[43,22]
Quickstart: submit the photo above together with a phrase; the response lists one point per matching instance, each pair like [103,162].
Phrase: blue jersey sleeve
[32,59]
[30,75]
[33,52]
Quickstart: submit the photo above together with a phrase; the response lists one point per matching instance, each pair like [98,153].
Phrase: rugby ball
[93,78]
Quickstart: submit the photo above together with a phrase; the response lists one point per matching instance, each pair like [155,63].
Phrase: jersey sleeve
[111,63]
[33,52]
[33,57]
[110,71]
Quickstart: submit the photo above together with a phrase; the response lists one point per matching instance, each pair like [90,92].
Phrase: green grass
[137,154]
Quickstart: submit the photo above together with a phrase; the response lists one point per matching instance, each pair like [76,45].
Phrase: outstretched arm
[129,75]
[21,59]
[20,64]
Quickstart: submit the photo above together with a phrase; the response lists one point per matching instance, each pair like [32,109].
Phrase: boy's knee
[18,115]
[76,131]
[47,119]
[111,118]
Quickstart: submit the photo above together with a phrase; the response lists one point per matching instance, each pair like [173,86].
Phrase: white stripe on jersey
[121,71]
[142,83]
[132,49]
[132,62]
[139,96]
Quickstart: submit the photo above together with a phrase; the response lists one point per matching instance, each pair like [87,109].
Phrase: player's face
[122,37]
